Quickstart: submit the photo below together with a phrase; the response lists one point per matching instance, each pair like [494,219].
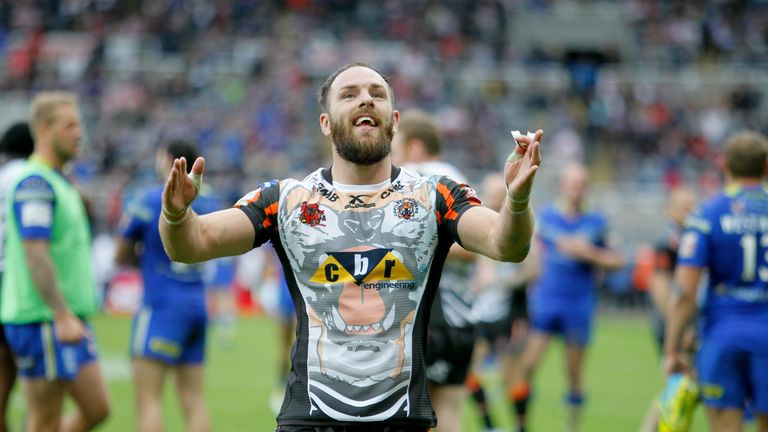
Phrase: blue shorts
[730,376]
[574,324]
[39,354]
[172,335]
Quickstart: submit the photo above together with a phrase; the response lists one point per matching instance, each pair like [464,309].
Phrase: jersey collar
[326,173]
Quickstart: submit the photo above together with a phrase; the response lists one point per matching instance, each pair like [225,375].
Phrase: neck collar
[326,173]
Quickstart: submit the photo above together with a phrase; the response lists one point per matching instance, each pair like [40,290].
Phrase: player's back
[729,236]
[166,282]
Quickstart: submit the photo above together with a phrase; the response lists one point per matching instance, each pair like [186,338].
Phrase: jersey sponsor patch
[688,244]
[37,214]
[366,268]
[711,391]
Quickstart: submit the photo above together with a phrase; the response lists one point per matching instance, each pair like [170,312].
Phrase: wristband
[175,214]
[175,221]
[512,199]
[517,212]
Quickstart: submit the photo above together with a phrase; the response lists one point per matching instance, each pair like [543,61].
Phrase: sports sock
[519,396]
[475,387]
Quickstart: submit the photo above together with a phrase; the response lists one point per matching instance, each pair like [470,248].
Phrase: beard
[65,150]
[368,149]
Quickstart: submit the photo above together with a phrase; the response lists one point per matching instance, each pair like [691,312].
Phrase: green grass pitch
[622,376]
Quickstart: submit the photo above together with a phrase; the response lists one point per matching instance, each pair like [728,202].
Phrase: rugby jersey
[363,265]
[728,235]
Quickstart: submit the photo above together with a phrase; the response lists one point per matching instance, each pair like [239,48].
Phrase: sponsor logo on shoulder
[396,186]
[327,193]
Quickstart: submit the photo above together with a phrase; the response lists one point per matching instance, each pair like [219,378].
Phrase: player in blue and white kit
[728,237]
[573,248]
[169,330]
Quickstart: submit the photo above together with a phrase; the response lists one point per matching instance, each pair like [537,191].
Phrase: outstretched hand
[181,189]
[521,166]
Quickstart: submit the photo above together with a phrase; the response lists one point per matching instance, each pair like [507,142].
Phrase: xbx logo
[356,201]
[372,269]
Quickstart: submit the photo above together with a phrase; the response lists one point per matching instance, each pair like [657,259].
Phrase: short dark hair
[183,148]
[17,141]
[746,153]
[322,93]
[415,124]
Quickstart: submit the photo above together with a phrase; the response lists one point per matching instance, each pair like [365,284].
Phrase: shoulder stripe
[449,200]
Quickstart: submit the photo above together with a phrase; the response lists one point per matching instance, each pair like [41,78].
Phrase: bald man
[573,246]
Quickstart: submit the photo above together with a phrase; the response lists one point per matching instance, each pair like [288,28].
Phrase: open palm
[180,189]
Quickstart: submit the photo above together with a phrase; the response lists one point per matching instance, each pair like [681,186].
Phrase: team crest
[406,208]
[311,214]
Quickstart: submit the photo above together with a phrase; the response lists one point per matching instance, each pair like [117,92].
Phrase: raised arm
[188,237]
[506,236]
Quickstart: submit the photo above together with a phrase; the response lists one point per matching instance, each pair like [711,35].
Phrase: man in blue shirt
[572,249]
[169,330]
[728,237]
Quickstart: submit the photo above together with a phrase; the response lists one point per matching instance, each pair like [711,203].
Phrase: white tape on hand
[197,180]
[515,156]
[520,148]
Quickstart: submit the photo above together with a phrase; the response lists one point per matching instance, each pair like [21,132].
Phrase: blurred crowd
[240,76]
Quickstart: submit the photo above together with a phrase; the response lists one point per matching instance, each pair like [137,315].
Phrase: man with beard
[362,245]
[48,290]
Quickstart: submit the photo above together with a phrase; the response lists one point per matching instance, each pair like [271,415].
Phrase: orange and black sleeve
[260,205]
[453,199]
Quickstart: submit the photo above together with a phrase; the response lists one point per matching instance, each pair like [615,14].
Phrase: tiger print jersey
[363,264]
